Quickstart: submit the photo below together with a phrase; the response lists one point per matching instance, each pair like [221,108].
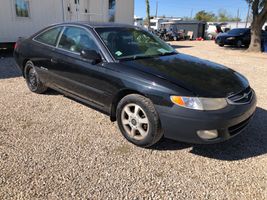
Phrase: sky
[183,8]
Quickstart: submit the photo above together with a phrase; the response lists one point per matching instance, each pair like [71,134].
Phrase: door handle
[53,60]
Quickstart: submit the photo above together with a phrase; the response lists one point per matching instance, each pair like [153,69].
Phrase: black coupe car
[140,81]
[236,37]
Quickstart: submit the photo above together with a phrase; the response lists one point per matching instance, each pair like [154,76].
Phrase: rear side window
[76,39]
[49,37]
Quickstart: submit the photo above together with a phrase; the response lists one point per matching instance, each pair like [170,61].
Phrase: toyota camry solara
[139,81]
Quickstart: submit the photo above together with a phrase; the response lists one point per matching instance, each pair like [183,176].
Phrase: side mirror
[91,55]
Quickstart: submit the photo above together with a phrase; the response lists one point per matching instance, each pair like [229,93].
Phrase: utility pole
[237,18]
[191,16]
[249,7]
[157,6]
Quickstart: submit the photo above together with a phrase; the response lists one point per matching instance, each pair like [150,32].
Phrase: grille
[243,97]
[239,127]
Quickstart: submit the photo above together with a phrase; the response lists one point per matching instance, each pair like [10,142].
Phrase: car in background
[139,81]
[236,37]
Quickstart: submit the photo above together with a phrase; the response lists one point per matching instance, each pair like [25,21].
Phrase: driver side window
[75,39]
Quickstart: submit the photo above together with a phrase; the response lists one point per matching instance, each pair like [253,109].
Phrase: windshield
[133,43]
[239,31]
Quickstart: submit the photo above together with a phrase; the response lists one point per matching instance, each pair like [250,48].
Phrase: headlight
[231,38]
[197,103]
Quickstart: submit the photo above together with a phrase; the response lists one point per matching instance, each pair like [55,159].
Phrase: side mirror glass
[91,55]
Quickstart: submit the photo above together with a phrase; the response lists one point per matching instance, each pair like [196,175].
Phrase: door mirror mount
[91,55]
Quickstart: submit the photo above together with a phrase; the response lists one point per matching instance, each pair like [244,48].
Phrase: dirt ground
[52,147]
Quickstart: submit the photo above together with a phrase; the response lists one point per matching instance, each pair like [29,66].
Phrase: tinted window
[239,31]
[76,39]
[131,43]
[49,37]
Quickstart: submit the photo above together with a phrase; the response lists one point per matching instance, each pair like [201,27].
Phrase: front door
[74,74]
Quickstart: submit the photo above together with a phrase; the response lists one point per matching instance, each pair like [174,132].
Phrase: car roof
[98,24]
[241,29]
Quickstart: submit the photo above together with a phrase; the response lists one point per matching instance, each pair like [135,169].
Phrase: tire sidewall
[40,87]
[154,123]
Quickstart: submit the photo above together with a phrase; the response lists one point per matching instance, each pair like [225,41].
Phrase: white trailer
[22,18]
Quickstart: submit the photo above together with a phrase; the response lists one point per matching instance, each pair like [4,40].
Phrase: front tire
[33,80]
[138,120]
[239,43]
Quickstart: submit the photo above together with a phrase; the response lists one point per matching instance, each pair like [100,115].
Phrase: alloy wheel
[135,121]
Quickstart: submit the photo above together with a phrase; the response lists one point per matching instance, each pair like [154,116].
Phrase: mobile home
[21,18]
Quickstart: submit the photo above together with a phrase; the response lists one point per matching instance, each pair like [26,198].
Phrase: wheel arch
[119,96]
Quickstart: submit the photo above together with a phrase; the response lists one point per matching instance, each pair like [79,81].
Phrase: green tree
[224,16]
[205,16]
[148,13]
[259,12]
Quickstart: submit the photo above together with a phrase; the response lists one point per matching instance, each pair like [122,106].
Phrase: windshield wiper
[168,53]
[137,57]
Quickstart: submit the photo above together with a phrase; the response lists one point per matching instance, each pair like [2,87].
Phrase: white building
[233,25]
[22,18]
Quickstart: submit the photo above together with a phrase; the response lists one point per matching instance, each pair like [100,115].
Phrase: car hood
[202,77]
[225,35]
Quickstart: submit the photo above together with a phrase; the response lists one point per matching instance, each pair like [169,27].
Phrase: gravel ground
[52,147]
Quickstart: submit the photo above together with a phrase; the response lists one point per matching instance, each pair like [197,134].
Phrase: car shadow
[181,46]
[251,143]
[8,67]
[51,92]
[235,48]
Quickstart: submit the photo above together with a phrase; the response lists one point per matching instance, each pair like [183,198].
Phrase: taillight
[15,45]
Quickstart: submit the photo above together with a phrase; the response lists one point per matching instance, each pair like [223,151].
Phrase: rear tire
[33,80]
[221,45]
[138,120]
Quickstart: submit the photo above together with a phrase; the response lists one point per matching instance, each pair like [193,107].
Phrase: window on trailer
[112,10]
[22,8]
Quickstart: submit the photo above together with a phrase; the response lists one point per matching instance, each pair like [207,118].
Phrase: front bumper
[182,124]
[225,41]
